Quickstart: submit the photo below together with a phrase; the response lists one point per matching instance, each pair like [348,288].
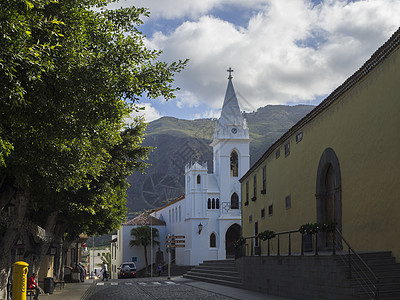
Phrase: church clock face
[234,130]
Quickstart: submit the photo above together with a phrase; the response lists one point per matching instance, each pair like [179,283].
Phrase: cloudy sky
[281,51]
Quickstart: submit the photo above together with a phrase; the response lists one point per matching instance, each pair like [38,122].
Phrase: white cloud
[149,113]
[172,9]
[290,51]
[209,114]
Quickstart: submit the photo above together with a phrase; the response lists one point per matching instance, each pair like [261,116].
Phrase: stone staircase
[384,265]
[216,271]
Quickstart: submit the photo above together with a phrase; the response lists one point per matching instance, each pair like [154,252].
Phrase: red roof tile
[144,219]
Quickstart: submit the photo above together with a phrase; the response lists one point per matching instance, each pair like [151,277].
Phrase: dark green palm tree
[142,235]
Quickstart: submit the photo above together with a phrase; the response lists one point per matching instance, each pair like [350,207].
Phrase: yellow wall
[363,128]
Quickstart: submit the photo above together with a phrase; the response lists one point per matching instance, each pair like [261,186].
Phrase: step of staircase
[384,266]
[221,272]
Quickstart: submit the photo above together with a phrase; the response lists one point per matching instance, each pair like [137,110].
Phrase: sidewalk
[71,291]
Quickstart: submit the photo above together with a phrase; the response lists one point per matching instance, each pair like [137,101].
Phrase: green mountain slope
[178,142]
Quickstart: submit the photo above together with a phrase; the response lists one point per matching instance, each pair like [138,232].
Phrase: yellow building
[340,162]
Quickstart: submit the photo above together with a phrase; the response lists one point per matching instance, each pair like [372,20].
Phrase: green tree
[70,75]
[142,238]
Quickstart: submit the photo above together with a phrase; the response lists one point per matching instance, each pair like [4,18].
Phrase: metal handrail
[375,285]
[358,256]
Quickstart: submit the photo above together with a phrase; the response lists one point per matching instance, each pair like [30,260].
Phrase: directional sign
[175,237]
[175,246]
[176,241]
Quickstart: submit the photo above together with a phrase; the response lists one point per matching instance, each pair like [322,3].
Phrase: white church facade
[209,214]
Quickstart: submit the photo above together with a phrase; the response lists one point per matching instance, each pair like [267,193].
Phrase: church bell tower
[230,146]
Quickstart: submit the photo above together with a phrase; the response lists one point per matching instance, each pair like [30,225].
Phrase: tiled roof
[384,51]
[170,203]
[144,219]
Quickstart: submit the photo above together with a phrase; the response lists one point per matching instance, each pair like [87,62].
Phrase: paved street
[146,289]
[151,288]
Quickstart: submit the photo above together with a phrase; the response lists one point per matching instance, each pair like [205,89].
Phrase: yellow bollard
[20,272]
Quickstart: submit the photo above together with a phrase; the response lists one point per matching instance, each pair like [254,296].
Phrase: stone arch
[231,236]
[329,193]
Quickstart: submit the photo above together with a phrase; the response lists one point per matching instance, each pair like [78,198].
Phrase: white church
[209,214]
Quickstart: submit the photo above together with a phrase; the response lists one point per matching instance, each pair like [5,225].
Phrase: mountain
[176,142]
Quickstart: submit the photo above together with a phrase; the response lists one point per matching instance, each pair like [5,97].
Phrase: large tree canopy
[71,72]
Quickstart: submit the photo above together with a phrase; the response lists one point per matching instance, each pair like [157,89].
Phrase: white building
[209,215]
[121,251]
[95,261]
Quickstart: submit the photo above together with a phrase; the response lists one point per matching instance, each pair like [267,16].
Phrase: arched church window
[198,179]
[213,240]
[209,203]
[234,201]
[213,203]
[234,164]
[217,203]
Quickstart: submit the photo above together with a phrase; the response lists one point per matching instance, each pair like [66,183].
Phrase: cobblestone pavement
[146,288]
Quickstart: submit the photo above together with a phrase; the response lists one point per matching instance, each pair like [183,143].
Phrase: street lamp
[200,227]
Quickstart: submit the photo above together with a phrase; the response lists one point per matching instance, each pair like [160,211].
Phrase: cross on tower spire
[230,73]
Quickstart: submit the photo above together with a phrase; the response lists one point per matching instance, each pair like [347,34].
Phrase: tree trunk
[10,238]
[37,246]
[59,231]
[145,258]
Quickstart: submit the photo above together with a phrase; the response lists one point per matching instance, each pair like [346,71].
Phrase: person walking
[159,269]
[104,270]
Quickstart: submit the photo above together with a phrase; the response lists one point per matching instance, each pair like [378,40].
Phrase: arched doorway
[329,194]
[231,236]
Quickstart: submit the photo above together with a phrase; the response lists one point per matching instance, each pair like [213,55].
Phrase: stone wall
[296,277]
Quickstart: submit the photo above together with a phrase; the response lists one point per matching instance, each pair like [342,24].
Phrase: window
[262,213]
[254,188]
[213,241]
[287,149]
[288,202]
[169,215]
[250,218]
[256,233]
[299,136]
[234,201]
[176,214]
[180,214]
[213,203]
[247,193]
[278,153]
[198,179]
[264,180]
[209,203]
[234,164]
[217,204]
[270,210]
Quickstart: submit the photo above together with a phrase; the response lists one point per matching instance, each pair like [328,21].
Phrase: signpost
[173,241]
